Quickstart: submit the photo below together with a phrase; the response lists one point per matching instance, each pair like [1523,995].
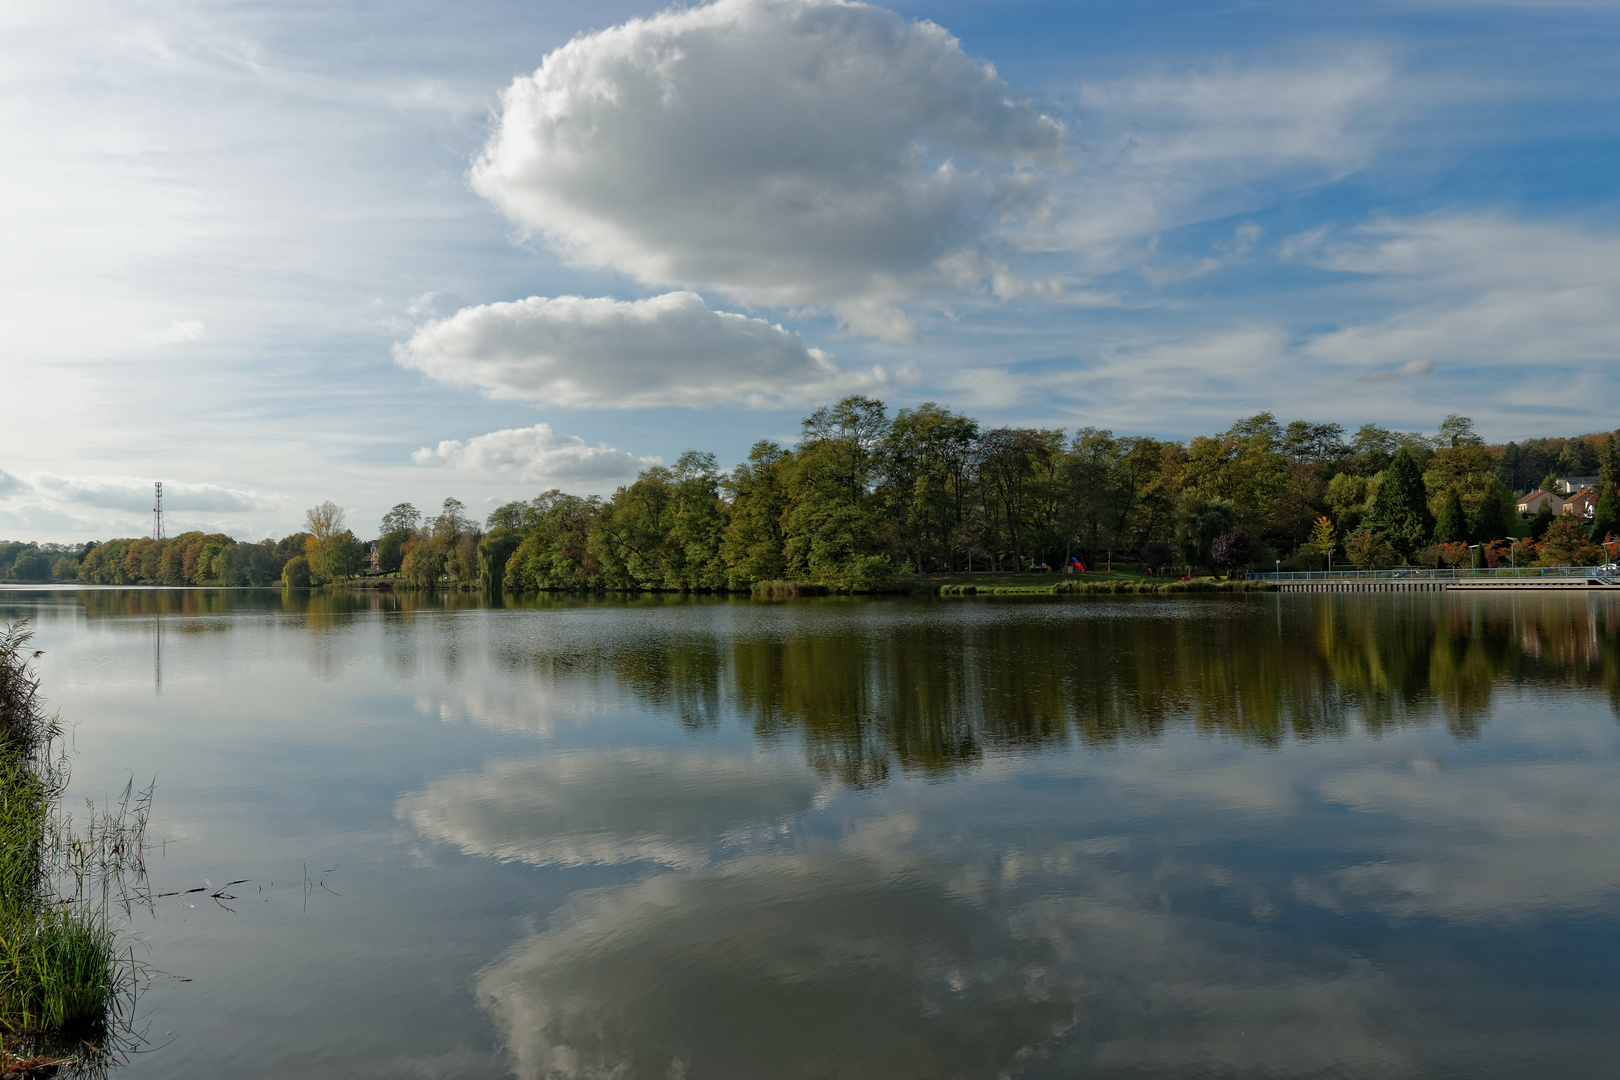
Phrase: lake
[1263,836]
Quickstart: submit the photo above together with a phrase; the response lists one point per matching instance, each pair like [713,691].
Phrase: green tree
[1578,459]
[390,553]
[1542,521]
[1401,511]
[555,552]
[1458,431]
[925,486]
[1609,462]
[753,539]
[494,550]
[1202,521]
[1606,519]
[1451,526]
[31,566]
[849,436]
[295,575]
[342,555]
[424,561]
[1011,463]
[401,522]
[630,538]
[1243,465]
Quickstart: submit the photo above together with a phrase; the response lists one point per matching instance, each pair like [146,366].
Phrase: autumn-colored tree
[1567,543]
[1367,550]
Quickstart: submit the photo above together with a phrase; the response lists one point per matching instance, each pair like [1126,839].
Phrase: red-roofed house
[1583,502]
[1533,502]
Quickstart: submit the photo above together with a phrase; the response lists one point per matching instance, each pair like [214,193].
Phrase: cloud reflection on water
[612,807]
[879,960]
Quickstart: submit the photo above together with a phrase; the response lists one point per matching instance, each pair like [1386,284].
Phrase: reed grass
[61,973]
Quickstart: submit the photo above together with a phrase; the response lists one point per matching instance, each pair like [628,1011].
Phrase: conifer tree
[1451,526]
[1401,511]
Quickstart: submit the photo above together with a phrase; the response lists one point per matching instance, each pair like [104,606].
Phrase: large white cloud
[538,455]
[666,350]
[783,151]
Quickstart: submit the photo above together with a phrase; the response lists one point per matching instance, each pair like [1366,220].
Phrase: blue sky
[278,253]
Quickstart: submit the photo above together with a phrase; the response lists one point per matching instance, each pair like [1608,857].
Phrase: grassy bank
[1115,582]
[59,962]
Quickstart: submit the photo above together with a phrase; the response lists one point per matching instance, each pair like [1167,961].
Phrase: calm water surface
[1275,836]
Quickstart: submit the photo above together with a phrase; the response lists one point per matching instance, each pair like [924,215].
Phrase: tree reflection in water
[927,689]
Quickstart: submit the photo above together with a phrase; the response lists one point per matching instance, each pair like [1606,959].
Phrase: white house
[1569,485]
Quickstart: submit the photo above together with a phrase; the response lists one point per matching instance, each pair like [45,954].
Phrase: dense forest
[866,498]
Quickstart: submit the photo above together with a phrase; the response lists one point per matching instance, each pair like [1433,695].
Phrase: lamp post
[1513,551]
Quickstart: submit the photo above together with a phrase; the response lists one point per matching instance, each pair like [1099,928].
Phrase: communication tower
[157,514]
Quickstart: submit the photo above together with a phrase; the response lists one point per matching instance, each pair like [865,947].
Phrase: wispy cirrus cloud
[1483,290]
[136,494]
[178,333]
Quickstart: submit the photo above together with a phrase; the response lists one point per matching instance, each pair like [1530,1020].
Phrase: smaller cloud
[1410,369]
[580,809]
[537,455]
[178,333]
[606,353]
[9,484]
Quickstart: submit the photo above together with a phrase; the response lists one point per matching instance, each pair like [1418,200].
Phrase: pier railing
[1411,573]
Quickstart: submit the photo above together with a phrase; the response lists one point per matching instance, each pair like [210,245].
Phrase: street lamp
[1473,560]
[1513,551]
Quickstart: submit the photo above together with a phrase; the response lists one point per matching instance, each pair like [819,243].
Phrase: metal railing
[1409,573]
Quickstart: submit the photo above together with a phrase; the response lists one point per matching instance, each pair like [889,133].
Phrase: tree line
[865,498]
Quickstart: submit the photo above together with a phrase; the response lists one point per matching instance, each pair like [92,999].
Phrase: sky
[278,253]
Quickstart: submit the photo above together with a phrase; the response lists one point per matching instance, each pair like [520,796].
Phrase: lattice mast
[157,513]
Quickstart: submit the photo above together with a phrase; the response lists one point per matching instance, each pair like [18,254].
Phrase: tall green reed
[65,987]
